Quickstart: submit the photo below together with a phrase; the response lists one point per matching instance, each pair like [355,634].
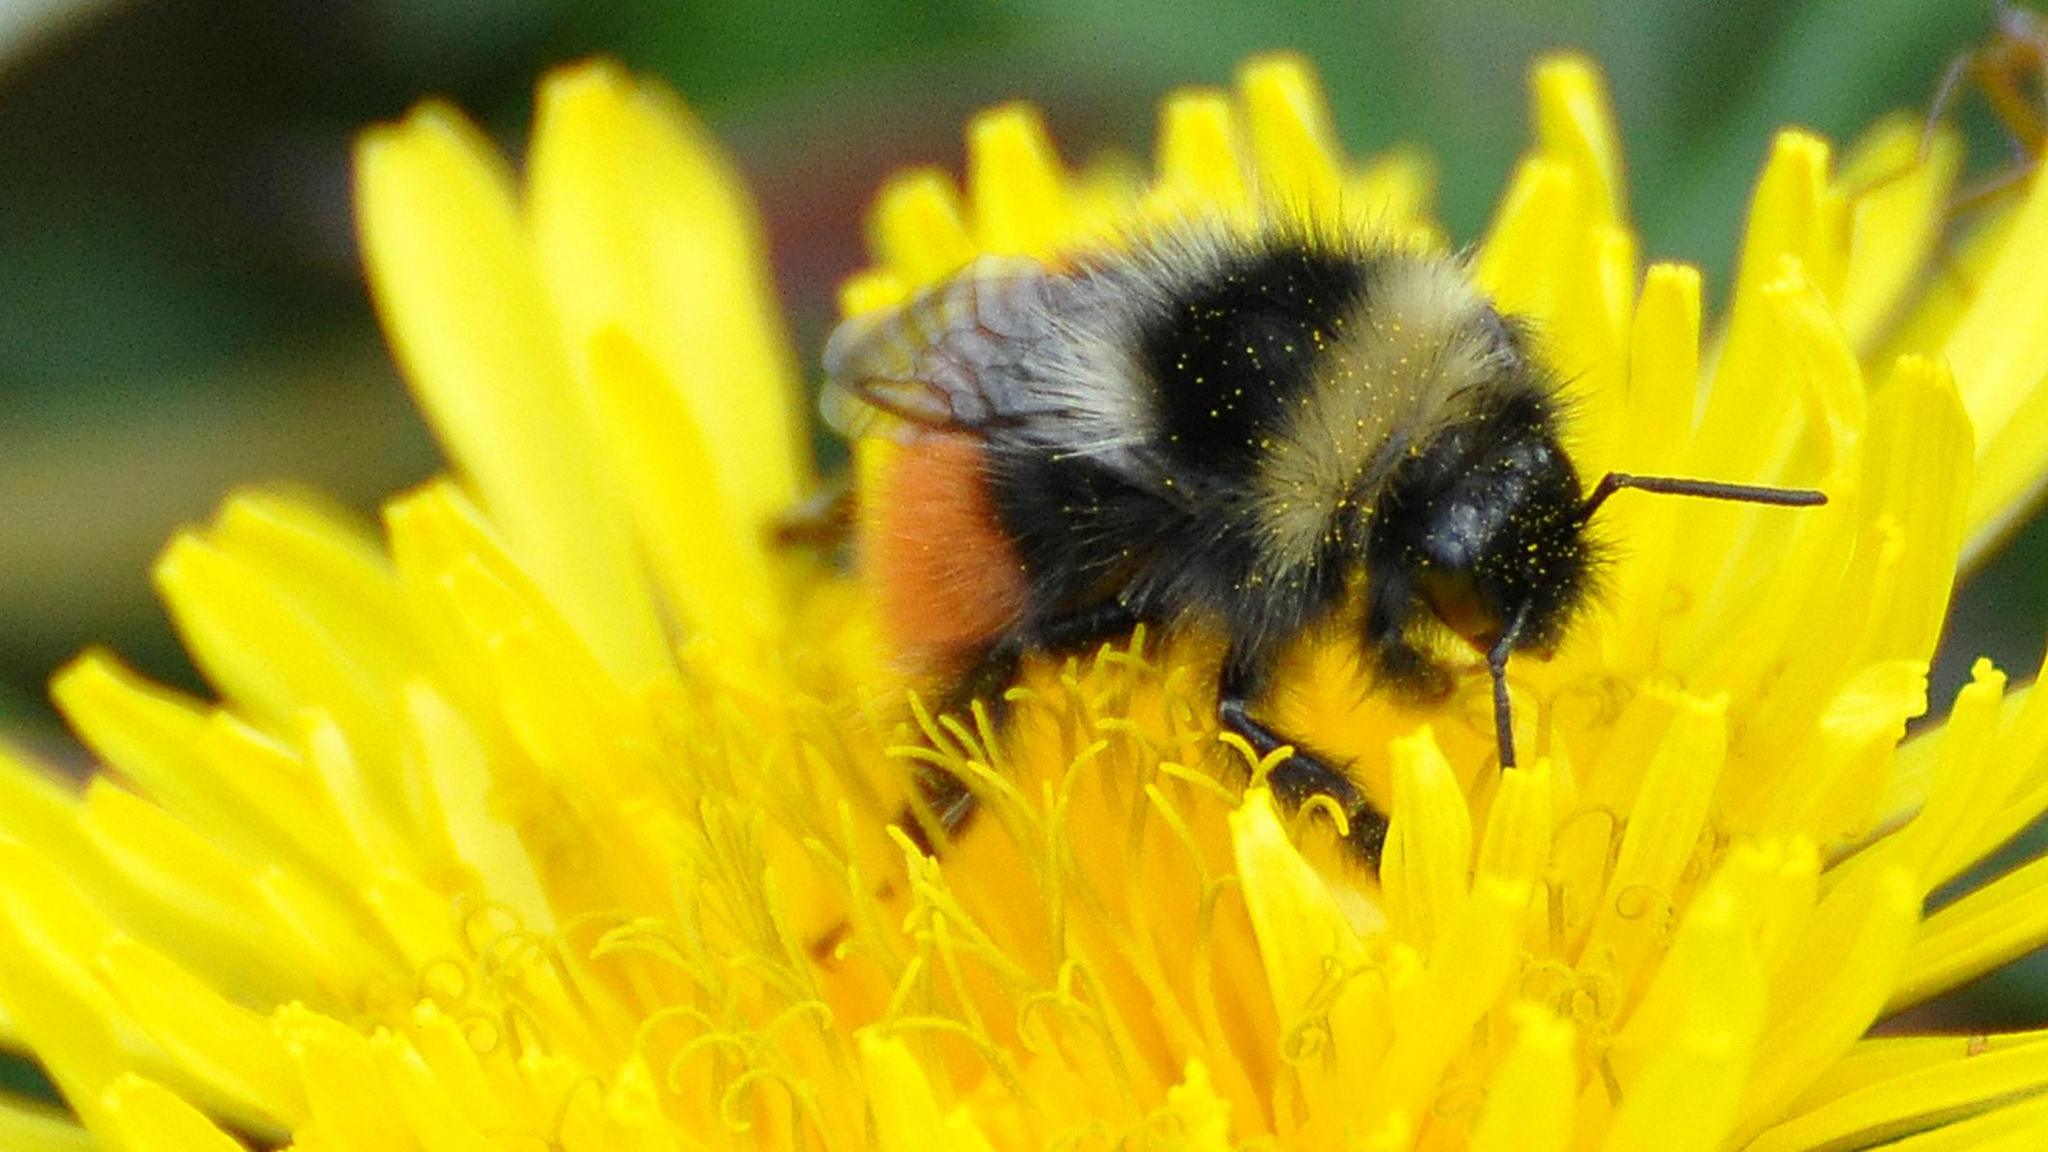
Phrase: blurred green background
[181,309]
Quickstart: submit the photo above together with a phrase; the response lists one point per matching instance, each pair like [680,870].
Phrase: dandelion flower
[557,816]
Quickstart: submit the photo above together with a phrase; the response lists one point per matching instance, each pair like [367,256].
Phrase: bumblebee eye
[1454,597]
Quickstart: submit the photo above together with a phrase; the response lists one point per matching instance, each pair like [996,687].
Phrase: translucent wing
[950,358]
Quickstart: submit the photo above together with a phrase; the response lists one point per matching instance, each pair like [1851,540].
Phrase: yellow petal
[907,1116]
[229,782]
[1199,161]
[447,553]
[153,735]
[1554,256]
[1302,931]
[1851,957]
[1999,355]
[643,227]
[331,568]
[1918,477]
[344,1090]
[1531,1098]
[1391,193]
[1661,837]
[1879,1058]
[1575,126]
[1996,923]
[458,1067]
[328,944]
[460,777]
[1427,865]
[714,568]
[221,1045]
[1792,214]
[263,650]
[143,1115]
[186,891]
[1941,1094]
[1016,183]
[1516,846]
[871,290]
[1532,222]
[1476,953]
[457,285]
[1896,219]
[918,227]
[1663,381]
[431,1115]
[32,1126]
[1751,563]
[78,1034]
[1690,1047]
[1293,147]
[39,813]
[1960,788]
[2016,1127]
[2012,789]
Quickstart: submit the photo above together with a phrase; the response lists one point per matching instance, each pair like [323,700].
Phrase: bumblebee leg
[944,803]
[948,804]
[1497,666]
[1503,715]
[1305,773]
[1085,628]
[824,519]
[1390,606]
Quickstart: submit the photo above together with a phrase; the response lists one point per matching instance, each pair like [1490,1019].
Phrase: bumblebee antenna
[1497,656]
[1709,489]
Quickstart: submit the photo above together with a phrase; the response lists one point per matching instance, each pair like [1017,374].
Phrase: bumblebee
[1231,426]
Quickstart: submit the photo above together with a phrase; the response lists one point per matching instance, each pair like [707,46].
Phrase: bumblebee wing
[947,360]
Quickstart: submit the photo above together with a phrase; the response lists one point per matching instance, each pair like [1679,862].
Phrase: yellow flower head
[559,817]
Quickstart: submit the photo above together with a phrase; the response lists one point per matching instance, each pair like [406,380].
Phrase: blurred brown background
[181,310]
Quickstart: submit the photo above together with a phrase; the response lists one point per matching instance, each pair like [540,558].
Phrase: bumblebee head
[1486,524]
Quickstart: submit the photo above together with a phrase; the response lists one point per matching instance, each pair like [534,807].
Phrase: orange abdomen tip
[948,579]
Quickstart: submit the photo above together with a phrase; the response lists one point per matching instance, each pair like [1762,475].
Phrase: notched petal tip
[182,565]
[598,76]
[1294,150]
[432,132]
[1016,182]
[1574,120]
[1200,154]
[918,225]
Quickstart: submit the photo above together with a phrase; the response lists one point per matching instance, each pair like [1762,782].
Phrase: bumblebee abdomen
[948,577]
